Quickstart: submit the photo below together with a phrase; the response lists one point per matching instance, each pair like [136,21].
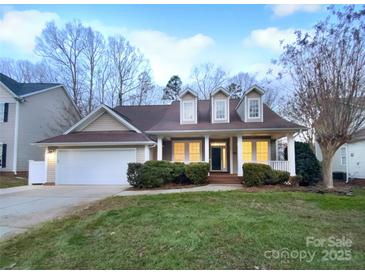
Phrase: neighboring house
[28,113]
[222,131]
[350,157]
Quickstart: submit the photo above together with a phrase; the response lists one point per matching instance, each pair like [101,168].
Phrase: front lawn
[12,181]
[226,230]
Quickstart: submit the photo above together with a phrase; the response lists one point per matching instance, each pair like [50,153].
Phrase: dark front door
[216,158]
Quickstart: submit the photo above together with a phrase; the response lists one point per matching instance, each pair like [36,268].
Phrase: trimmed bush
[197,173]
[178,172]
[295,180]
[162,169]
[134,174]
[279,177]
[256,174]
[260,174]
[306,164]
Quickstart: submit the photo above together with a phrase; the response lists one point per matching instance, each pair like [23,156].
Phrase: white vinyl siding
[2,110]
[105,123]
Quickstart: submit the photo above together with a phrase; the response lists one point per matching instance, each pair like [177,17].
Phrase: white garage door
[93,166]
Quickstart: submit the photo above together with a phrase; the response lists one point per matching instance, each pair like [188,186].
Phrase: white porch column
[146,153]
[231,155]
[159,148]
[239,156]
[206,148]
[291,154]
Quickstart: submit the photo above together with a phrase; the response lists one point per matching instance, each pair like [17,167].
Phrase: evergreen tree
[172,89]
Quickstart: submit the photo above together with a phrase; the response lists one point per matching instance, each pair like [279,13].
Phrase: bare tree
[64,47]
[244,81]
[93,53]
[145,86]
[127,63]
[25,71]
[208,77]
[328,71]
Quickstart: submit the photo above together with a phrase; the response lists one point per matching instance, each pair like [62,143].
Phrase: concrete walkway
[211,187]
[27,206]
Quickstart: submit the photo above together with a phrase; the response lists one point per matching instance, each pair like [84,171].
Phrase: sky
[173,37]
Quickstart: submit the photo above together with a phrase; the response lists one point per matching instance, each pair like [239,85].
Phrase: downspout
[16,131]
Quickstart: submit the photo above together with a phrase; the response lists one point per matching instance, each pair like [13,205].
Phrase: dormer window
[253,108]
[188,111]
[220,109]
[188,107]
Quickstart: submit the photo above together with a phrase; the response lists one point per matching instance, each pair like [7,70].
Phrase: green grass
[227,230]
[12,181]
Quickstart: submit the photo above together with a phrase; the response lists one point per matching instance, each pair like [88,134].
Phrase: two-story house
[30,112]
[221,131]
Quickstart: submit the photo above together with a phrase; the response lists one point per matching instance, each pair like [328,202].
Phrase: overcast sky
[173,37]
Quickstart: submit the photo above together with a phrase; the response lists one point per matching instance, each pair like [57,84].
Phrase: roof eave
[65,144]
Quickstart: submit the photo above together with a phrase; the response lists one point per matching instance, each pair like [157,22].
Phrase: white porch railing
[276,165]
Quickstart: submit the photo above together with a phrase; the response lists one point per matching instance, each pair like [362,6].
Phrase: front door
[216,158]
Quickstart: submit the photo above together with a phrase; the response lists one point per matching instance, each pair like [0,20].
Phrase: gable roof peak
[220,89]
[187,90]
[254,88]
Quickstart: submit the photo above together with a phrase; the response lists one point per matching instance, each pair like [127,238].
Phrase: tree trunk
[327,168]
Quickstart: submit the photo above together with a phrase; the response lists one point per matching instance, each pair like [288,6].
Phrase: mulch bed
[166,186]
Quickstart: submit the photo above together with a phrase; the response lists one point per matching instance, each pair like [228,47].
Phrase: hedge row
[261,174]
[157,173]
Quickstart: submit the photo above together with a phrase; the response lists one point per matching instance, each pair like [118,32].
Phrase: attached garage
[93,166]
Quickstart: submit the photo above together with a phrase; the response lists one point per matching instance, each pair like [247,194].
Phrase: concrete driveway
[24,207]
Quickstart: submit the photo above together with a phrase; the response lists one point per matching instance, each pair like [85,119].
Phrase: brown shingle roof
[358,136]
[167,117]
[98,136]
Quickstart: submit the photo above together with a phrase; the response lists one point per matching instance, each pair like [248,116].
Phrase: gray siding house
[30,112]
[221,131]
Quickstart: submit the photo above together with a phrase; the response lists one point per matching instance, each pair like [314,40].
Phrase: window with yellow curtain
[247,151]
[179,152]
[194,152]
[262,151]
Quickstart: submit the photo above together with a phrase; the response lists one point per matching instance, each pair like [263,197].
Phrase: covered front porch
[226,152]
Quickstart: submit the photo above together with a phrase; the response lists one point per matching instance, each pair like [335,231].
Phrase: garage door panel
[93,167]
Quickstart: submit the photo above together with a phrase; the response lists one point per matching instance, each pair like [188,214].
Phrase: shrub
[256,174]
[134,174]
[156,173]
[279,177]
[306,164]
[197,173]
[295,180]
[178,172]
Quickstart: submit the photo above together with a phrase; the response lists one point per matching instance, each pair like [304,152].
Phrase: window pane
[254,108]
[220,110]
[262,151]
[247,151]
[194,152]
[343,156]
[188,111]
[179,152]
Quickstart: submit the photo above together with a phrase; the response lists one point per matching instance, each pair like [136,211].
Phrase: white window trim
[225,110]
[193,110]
[259,108]
[186,150]
[345,155]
